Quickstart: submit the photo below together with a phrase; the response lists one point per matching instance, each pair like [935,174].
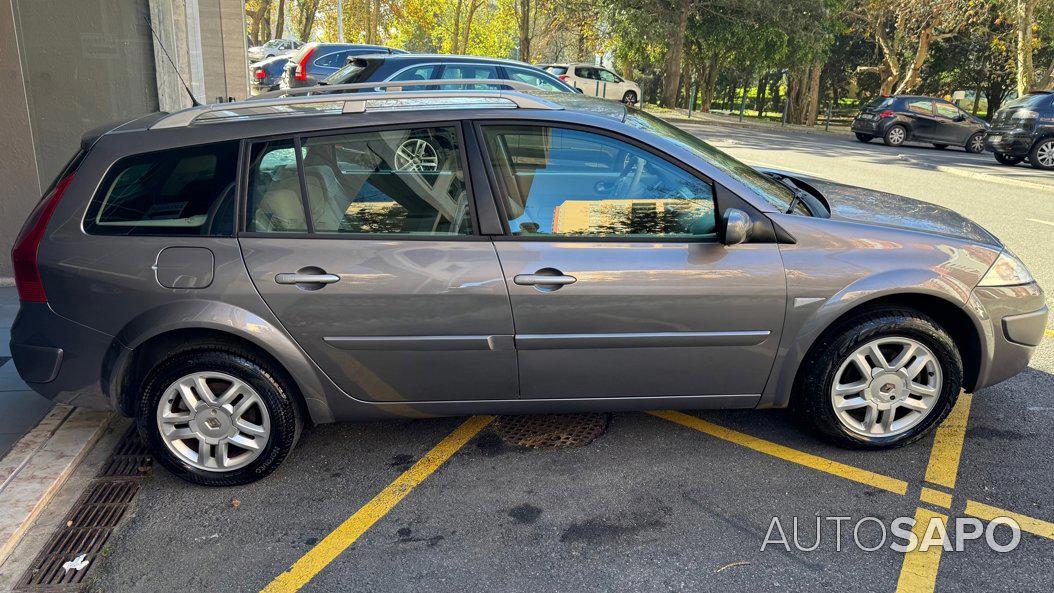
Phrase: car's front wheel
[975,144]
[880,380]
[864,137]
[1042,154]
[895,135]
[218,417]
[1006,159]
[630,98]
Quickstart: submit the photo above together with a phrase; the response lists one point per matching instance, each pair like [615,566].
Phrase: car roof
[408,58]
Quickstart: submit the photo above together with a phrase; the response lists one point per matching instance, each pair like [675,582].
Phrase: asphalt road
[651,505]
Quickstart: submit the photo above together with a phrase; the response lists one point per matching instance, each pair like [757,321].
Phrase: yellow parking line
[1049,333]
[311,563]
[786,453]
[918,573]
[948,445]
[936,497]
[1029,524]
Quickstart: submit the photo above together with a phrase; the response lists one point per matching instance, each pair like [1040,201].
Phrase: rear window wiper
[800,195]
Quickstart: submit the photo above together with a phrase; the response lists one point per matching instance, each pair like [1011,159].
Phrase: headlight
[1006,271]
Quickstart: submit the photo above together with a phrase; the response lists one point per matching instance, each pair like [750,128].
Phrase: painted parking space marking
[918,573]
[1029,524]
[948,441]
[325,551]
[815,462]
[1040,221]
[936,497]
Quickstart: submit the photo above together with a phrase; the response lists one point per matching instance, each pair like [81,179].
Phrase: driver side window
[563,182]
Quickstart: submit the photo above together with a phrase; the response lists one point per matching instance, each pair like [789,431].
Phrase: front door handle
[297,278]
[545,277]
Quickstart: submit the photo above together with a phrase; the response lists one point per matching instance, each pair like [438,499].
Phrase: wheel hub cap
[213,421]
[886,386]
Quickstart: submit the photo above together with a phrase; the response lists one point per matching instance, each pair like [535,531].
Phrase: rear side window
[335,59]
[189,191]
[532,77]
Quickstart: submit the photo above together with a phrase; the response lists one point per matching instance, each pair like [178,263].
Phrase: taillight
[301,68]
[24,254]
[887,113]
[259,73]
[563,77]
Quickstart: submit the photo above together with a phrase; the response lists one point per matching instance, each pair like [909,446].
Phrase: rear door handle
[543,280]
[295,278]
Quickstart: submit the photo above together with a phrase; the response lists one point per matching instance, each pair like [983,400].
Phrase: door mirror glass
[737,226]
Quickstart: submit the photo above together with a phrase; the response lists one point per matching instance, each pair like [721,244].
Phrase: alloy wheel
[977,143]
[416,155]
[213,421]
[1045,154]
[897,135]
[886,386]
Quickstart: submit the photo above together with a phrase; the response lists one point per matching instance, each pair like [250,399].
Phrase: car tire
[269,409]
[630,98]
[895,135]
[864,137]
[1006,159]
[940,146]
[1042,154]
[975,143]
[833,359]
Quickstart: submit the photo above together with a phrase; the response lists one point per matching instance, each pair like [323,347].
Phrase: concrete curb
[979,176]
[35,469]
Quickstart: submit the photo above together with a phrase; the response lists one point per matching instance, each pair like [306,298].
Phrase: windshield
[1030,101]
[764,186]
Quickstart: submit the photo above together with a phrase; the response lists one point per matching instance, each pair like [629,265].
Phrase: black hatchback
[903,118]
[1024,129]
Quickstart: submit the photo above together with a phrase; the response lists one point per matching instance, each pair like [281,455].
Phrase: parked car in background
[901,118]
[443,66]
[596,81]
[1024,129]
[266,74]
[316,61]
[327,258]
[274,47]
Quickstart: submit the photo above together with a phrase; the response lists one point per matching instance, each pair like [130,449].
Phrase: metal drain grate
[546,431]
[129,459]
[79,542]
[64,562]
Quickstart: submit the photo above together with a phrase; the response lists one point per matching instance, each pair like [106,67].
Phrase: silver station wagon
[230,274]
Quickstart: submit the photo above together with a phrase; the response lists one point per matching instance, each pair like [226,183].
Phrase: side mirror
[737,226]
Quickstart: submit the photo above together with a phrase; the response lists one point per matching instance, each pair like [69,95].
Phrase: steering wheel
[629,179]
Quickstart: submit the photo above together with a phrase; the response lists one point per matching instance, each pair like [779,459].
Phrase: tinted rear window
[1033,101]
[189,191]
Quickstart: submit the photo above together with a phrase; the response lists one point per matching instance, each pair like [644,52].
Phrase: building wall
[70,66]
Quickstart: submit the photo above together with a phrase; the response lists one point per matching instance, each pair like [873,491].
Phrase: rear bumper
[1008,143]
[58,358]
[1017,317]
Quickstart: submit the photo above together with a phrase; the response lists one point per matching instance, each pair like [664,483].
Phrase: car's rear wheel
[975,144]
[895,135]
[880,380]
[864,137]
[218,417]
[940,146]
[630,98]
[1007,159]
[1042,154]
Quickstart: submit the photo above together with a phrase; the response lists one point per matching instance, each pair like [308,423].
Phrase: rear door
[618,283]
[385,282]
[588,80]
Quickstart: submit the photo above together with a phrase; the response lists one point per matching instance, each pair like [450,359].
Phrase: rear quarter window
[188,191]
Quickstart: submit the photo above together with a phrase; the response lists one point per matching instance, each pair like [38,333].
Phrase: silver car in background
[230,274]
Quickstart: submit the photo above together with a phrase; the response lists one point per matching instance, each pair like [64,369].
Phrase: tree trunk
[307,23]
[672,78]
[473,7]
[525,29]
[814,94]
[1026,73]
[912,78]
[709,86]
[279,23]
[457,27]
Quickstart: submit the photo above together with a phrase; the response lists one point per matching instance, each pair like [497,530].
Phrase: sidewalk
[20,408]
[720,119]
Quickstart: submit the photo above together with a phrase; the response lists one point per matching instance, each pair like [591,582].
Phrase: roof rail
[336,99]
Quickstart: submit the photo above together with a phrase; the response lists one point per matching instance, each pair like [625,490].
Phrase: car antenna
[193,100]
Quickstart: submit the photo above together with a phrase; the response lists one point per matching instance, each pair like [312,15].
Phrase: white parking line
[1040,221]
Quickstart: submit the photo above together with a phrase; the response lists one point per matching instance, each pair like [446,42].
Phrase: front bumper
[1017,321]
[59,358]
[1011,143]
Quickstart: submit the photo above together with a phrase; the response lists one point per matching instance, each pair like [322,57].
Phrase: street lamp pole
[340,21]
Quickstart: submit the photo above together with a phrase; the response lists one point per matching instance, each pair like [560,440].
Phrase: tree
[904,31]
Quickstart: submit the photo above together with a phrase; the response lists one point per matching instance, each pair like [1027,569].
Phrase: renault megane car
[230,274]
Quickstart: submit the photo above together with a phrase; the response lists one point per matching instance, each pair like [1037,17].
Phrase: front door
[953,126]
[385,283]
[618,283]
[924,119]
